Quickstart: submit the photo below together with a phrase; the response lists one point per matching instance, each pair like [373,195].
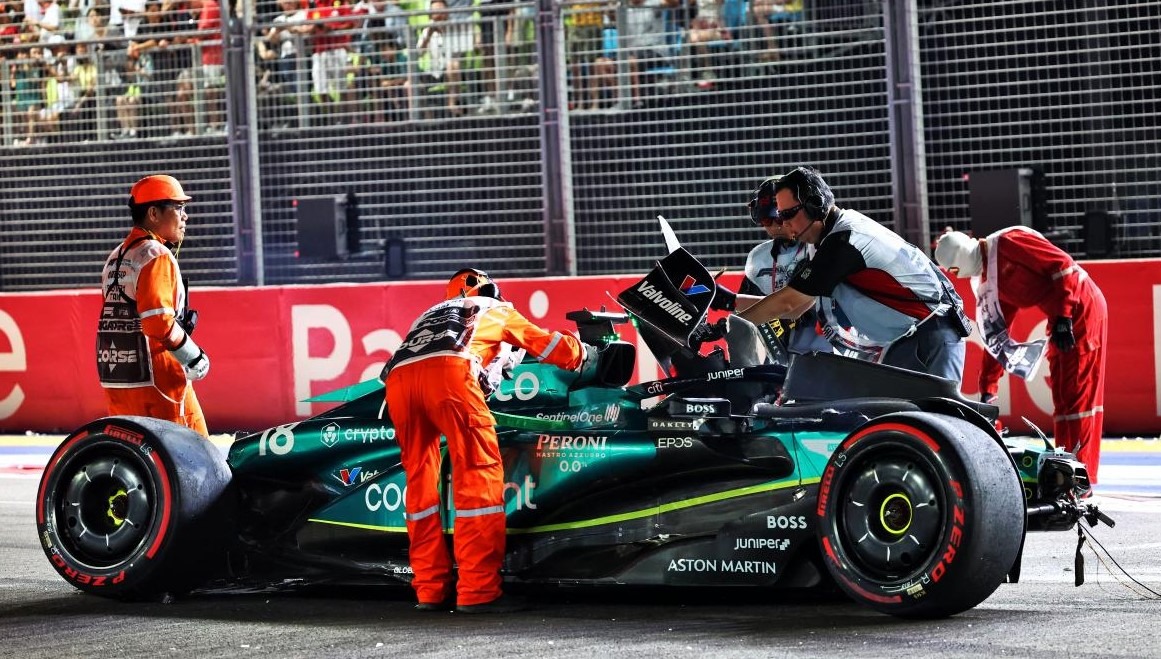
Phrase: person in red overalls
[437,383]
[1019,269]
[146,360]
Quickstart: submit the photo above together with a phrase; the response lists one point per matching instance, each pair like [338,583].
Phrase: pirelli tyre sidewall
[133,507]
[920,515]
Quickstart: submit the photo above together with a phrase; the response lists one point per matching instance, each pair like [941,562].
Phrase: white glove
[194,360]
[198,368]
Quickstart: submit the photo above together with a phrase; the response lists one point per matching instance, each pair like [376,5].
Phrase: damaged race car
[746,468]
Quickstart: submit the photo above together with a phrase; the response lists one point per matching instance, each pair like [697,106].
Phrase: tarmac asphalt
[1044,615]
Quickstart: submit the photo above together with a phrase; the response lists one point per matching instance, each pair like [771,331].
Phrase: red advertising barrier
[272,347]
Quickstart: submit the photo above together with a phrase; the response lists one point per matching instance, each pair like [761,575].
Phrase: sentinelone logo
[671,307]
[586,416]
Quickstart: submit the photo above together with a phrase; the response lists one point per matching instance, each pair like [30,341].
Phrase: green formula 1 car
[745,469]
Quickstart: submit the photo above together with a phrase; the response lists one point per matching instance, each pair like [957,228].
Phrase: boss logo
[786,521]
[699,407]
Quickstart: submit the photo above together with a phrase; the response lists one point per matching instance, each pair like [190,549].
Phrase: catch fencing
[533,140]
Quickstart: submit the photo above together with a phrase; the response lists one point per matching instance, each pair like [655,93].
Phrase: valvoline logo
[349,476]
[689,286]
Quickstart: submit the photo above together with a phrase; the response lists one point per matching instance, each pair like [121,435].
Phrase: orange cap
[158,187]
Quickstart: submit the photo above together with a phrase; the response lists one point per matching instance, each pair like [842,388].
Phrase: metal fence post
[242,142]
[6,100]
[555,156]
[905,122]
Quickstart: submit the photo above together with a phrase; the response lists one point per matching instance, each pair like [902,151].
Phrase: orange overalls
[436,385]
[144,295]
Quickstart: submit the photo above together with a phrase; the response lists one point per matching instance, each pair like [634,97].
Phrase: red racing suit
[437,383]
[1034,273]
[144,296]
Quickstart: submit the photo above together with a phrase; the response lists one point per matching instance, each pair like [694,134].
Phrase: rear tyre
[134,507]
[920,515]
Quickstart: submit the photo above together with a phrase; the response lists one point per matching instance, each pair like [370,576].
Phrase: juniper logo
[671,307]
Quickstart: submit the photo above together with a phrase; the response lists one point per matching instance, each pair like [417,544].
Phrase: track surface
[1044,615]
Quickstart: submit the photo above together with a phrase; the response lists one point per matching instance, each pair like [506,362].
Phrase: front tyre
[133,507]
[920,515]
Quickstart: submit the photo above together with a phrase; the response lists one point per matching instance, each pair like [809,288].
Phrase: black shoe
[503,604]
[435,607]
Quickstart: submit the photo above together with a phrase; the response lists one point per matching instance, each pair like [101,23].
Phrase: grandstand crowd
[128,69]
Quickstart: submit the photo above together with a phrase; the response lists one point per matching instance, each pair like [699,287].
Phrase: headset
[812,192]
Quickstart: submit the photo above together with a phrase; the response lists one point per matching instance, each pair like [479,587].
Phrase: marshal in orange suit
[146,360]
[437,383]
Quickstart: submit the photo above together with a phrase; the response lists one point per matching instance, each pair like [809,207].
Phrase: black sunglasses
[763,211]
[786,214]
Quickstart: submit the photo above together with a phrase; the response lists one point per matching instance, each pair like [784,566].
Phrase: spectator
[388,75]
[128,103]
[330,59]
[519,40]
[1019,269]
[521,79]
[84,76]
[419,18]
[491,21]
[172,75]
[285,36]
[9,27]
[706,30]
[58,98]
[433,59]
[26,80]
[905,310]
[591,72]
[154,70]
[93,28]
[357,95]
[776,19]
[460,40]
[125,17]
[439,387]
[145,312]
[645,41]
[210,74]
[42,18]
[385,20]
[81,7]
